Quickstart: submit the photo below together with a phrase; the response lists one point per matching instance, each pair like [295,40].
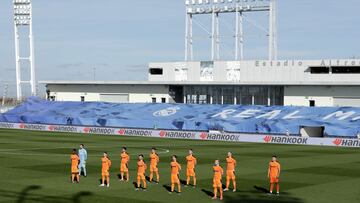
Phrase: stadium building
[330,82]
[261,82]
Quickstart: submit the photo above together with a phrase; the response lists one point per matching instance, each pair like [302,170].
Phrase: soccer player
[190,167]
[74,166]
[175,168]
[154,160]
[83,157]
[230,171]
[274,174]
[141,172]
[125,158]
[218,172]
[105,166]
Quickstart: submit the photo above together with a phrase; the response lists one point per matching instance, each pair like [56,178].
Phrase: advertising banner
[189,135]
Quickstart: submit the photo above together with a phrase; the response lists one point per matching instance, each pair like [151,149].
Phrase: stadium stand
[335,121]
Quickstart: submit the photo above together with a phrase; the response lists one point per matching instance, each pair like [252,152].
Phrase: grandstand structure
[323,82]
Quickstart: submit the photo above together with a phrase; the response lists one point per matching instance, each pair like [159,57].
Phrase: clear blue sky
[118,37]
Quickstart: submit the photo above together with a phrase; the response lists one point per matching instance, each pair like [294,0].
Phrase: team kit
[78,167]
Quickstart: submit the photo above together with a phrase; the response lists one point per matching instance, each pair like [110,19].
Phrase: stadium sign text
[107,131]
[177,134]
[347,142]
[135,132]
[57,128]
[323,62]
[285,140]
[6,125]
[222,137]
[277,114]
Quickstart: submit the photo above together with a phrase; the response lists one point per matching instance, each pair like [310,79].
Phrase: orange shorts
[175,178]
[274,179]
[140,176]
[190,172]
[105,173]
[217,183]
[153,168]
[74,169]
[230,175]
[124,168]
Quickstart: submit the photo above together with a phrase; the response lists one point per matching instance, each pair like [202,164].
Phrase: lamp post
[23,19]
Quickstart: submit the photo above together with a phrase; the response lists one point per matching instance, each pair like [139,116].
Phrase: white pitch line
[13,151]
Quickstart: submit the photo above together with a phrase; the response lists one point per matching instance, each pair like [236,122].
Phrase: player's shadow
[147,178]
[100,181]
[24,193]
[261,189]
[135,184]
[77,197]
[167,187]
[207,192]
[183,182]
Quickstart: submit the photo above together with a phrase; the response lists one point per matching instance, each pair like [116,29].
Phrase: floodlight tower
[23,18]
[217,7]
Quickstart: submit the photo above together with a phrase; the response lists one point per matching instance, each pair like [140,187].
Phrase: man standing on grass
[175,168]
[190,168]
[217,184]
[83,157]
[274,174]
[124,165]
[141,169]
[154,161]
[230,171]
[105,167]
[74,166]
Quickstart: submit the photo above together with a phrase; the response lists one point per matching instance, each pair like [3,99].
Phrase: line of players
[78,164]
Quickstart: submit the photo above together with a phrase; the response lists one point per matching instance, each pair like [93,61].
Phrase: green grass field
[34,167]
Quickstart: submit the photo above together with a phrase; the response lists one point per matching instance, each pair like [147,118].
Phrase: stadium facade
[328,82]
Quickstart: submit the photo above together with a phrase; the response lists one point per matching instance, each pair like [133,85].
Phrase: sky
[116,39]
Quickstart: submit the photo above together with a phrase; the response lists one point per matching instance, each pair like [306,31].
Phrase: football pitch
[35,167]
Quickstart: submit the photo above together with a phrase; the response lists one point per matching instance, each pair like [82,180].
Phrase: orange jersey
[274,168]
[125,157]
[105,164]
[74,160]
[191,161]
[154,159]
[230,164]
[218,171]
[141,167]
[175,167]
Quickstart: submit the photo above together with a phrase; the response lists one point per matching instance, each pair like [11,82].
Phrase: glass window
[228,94]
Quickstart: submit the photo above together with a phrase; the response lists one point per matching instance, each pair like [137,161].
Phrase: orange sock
[179,187]
[172,187]
[138,182]
[151,176]
[144,182]
[271,187]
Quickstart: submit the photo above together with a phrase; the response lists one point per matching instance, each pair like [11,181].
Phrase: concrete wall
[323,95]
[137,93]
